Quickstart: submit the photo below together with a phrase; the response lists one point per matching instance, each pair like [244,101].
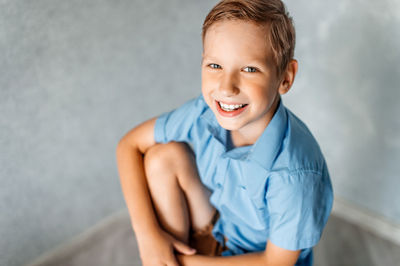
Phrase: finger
[183,248]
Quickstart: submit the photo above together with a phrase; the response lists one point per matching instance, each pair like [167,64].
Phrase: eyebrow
[251,60]
[208,58]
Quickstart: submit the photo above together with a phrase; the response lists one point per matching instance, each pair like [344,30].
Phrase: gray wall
[76,75]
[348,93]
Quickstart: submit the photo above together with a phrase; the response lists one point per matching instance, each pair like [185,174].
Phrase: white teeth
[230,107]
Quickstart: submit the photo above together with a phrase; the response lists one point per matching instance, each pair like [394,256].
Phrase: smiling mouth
[231,107]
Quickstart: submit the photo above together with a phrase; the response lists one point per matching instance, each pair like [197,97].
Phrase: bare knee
[166,159]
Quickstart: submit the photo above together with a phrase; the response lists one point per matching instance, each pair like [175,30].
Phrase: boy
[231,177]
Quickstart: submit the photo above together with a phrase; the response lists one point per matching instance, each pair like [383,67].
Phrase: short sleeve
[177,124]
[299,205]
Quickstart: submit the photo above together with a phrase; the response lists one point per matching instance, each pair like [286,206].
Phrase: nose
[228,85]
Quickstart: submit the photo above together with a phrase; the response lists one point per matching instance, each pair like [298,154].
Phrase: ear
[288,77]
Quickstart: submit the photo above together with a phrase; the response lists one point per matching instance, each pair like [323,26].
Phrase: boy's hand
[159,249]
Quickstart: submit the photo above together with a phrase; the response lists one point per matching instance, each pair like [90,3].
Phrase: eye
[215,66]
[250,69]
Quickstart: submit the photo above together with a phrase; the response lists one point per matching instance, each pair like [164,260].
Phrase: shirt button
[219,185]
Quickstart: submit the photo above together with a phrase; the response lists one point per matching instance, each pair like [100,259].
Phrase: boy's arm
[156,246]
[129,154]
[273,255]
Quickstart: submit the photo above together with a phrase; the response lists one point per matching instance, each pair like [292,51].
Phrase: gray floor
[113,244]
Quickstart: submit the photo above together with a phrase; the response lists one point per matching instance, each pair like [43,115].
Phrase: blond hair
[282,35]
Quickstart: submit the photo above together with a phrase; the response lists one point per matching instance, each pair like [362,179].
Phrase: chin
[228,126]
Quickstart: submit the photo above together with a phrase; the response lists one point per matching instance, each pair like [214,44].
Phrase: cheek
[257,91]
[207,76]
[207,82]
[206,89]
[260,95]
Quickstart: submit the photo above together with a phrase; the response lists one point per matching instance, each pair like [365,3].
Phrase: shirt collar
[213,127]
[267,146]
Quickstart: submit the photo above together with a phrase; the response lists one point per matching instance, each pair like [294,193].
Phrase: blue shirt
[277,189]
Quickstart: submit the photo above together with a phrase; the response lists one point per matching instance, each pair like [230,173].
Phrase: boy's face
[239,80]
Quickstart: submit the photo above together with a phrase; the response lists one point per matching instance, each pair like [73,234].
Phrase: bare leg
[180,200]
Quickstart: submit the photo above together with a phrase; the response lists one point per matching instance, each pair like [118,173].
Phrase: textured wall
[348,93]
[76,75]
